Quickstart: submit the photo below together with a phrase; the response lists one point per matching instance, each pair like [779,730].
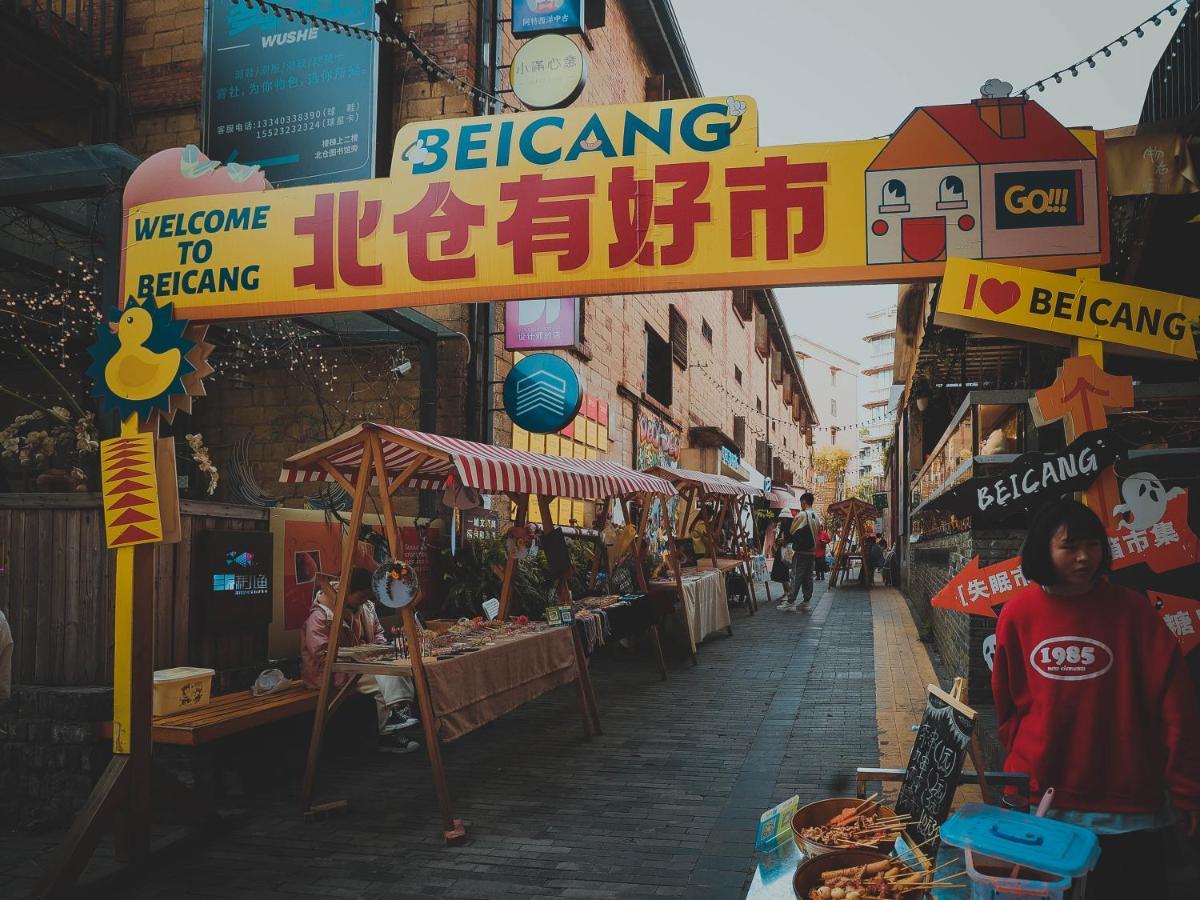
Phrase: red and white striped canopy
[481,466]
[711,484]
[785,499]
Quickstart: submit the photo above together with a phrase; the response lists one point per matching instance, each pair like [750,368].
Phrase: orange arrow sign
[1081,398]
[976,590]
[1182,616]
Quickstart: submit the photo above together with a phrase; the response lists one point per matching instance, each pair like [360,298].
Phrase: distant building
[832,380]
[877,392]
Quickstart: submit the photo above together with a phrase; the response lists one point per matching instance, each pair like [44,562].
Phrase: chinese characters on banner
[530,17]
[609,200]
[977,590]
[288,96]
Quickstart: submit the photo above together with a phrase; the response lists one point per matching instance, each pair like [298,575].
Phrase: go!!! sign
[671,196]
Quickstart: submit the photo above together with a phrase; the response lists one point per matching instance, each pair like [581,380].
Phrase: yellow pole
[123,634]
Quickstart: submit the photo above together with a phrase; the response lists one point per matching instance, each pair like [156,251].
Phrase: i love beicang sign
[1049,308]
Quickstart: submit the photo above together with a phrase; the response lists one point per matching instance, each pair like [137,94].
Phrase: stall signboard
[530,17]
[541,324]
[670,196]
[294,99]
[1048,308]
[1031,481]
[549,72]
[234,577]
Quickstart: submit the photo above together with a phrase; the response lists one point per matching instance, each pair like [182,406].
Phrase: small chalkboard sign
[942,745]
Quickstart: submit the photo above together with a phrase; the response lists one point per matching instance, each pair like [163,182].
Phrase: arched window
[894,197]
[951,194]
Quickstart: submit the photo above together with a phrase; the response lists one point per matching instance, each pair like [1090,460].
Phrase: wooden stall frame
[373,468]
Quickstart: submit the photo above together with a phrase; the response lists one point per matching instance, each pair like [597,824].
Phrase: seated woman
[393,694]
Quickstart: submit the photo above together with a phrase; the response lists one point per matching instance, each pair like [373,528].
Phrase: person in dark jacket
[803,535]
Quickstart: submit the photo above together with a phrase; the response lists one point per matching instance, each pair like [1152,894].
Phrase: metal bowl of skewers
[845,823]
[857,875]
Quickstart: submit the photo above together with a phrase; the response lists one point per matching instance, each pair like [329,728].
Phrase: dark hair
[1081,523]
[808,498]
[360,580]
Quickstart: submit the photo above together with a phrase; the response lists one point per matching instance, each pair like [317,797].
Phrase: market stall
[717,506]
[466,675]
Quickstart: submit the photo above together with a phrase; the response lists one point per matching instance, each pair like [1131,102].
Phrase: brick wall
[959,637]
[49,755]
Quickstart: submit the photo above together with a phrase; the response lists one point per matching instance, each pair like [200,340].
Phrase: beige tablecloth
[705,604]
[472,690]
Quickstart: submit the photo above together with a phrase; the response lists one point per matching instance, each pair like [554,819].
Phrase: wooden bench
[230,714]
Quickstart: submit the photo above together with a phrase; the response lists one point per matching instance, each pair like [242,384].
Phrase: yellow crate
[184,687]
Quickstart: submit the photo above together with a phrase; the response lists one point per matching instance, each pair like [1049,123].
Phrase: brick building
[733,382]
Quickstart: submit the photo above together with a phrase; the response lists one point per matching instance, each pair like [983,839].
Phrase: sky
[829,70]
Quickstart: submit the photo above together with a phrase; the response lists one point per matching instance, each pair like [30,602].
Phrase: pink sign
[541,324]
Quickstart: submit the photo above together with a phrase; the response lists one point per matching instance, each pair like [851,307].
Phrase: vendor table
[704,605]
[470,690]
[623,616]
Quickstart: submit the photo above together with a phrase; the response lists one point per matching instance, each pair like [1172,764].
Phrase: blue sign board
[542,393]
[532,17]
[289,96]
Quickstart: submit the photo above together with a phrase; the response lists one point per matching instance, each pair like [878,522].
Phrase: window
[658,367]
[743,305]
[737,374]
[833,406]
[679,336]
[759,402]
[833,376]
[739,432]
[706,330]
[894,198]
[951,194]
[762,337]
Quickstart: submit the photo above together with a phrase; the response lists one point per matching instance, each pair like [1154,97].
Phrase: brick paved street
[665,803]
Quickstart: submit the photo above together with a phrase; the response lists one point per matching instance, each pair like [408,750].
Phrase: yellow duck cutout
[134,372]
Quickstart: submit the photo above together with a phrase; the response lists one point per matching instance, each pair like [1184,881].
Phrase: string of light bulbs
[1139,30]
[408,40]
[755,431]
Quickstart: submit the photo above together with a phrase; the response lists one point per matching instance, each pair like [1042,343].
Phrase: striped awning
[722,485]
[783,496]
[482,466]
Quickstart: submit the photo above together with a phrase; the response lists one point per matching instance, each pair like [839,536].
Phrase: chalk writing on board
[938,754]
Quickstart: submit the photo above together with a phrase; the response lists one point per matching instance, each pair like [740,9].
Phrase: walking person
[1094,699]
[803,536]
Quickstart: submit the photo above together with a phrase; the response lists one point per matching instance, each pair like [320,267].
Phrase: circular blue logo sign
[542,393]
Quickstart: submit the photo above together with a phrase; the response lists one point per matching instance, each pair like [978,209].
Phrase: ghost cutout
[1145,501]
[989,651]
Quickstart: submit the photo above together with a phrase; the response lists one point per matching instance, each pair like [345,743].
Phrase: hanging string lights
[1139,30]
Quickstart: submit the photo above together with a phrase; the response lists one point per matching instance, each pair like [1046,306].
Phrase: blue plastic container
[1053,857]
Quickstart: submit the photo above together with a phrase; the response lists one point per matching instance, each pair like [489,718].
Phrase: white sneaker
[785,606]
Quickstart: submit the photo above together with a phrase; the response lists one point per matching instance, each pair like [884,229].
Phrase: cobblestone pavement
[664,803]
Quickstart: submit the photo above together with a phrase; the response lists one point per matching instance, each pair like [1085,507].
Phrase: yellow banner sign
[619,199]
[130,487]
[1042,306]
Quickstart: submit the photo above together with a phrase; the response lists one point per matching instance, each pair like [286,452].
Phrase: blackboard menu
[936,762]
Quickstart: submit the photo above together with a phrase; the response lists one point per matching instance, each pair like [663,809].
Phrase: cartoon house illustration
[997,178]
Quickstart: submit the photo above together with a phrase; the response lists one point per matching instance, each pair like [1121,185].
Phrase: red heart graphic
[999,295]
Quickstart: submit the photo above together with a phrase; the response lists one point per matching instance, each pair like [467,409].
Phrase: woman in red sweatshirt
[1093,699]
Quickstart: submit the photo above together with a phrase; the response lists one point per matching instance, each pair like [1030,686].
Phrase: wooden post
[510,564]
[639,559]
[360,485]
[453,831]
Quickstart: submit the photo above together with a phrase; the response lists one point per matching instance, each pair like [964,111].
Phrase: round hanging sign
[542,393]
[395,584]
[548,72]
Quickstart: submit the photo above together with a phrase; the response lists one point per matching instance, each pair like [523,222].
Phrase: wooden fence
[56,588]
